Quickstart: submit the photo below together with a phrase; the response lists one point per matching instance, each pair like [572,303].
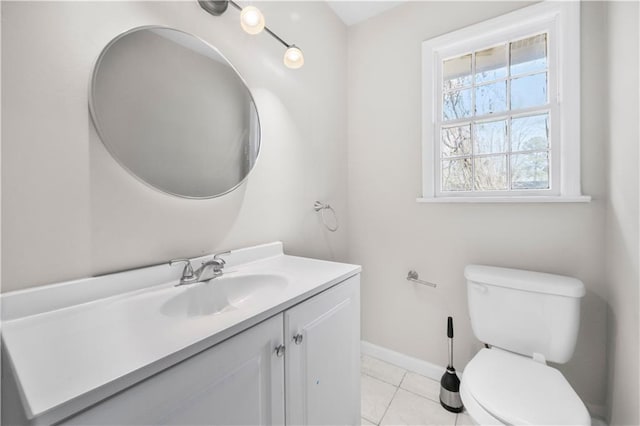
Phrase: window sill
[521,199]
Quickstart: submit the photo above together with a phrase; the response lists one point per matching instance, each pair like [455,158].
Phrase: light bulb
[251,20]
[293,57]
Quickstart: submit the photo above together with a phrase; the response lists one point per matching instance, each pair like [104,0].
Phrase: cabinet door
[323,367]
[237,382]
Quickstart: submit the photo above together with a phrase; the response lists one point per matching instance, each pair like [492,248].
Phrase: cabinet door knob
[297,339]
[280,351]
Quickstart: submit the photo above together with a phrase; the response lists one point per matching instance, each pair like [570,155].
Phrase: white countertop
[67,357]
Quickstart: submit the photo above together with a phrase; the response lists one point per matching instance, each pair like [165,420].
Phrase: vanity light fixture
[252,21]
[293,57]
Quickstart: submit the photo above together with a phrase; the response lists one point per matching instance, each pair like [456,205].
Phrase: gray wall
[69,210]
[391,233]
[622,212]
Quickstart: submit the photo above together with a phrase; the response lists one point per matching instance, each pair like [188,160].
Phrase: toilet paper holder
[413,277]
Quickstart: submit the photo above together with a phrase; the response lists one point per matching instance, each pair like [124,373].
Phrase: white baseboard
[407,362]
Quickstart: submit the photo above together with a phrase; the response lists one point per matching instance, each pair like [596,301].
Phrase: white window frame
[561,21]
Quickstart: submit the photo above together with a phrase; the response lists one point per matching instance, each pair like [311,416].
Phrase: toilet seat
[503,387]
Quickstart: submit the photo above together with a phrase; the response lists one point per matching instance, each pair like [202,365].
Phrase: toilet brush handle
[450,336]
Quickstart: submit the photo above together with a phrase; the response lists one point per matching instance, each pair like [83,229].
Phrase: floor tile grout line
[421,396]
[398,387]
[382,380]
[404,376]
[392,398]
[421,375]
[367,419]
[388,405]
[362,373]
[405,372]
[397,367]
[414,392]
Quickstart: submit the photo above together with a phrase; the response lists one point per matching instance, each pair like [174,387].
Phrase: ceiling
[353,12]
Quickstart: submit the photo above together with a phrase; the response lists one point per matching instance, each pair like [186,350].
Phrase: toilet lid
[518,390]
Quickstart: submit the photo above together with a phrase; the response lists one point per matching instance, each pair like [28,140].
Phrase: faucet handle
[217,256]
[187,272]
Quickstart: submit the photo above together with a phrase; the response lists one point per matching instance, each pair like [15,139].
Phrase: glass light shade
[251,20]
[293,57]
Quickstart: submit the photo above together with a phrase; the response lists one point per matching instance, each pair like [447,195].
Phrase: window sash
[552,107]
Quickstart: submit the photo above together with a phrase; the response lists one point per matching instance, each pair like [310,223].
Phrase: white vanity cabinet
[237,382]
[241,381]
[323,357]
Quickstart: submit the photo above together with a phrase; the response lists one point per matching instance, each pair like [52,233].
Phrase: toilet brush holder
[450,383]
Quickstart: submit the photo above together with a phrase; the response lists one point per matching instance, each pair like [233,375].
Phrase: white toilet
[527,318]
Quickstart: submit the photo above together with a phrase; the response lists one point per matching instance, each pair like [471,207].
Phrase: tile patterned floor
[394,396]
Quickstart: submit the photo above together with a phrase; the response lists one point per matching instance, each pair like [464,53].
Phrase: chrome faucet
[215,265]
[188,276]
[208,270]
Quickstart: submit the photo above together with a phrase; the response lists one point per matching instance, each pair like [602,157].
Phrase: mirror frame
[95,120]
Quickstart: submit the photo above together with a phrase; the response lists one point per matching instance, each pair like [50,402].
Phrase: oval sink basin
[223,294]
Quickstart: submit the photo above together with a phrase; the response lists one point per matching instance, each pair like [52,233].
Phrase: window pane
[529,55]
[491,64]
[529,91]
[491,98]
[490,137]
[530,171]
[456,72]
[456,175]
[455,141]
[530,133]
[490,173]
[456,104]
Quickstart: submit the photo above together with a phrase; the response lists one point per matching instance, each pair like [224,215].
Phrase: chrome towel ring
[321,207]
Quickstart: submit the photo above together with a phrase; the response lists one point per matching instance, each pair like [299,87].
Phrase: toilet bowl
[499,387]
[527,318]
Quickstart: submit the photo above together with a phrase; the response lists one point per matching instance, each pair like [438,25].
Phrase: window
[501,109]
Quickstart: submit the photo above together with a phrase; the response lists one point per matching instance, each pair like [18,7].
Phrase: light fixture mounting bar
[218,7]
[274,35]
[252,21]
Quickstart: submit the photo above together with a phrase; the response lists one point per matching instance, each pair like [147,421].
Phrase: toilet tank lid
[538,282]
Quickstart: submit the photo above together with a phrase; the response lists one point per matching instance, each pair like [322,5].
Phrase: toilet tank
[523,311]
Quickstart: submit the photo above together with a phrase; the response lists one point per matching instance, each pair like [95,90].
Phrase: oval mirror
[174,112]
